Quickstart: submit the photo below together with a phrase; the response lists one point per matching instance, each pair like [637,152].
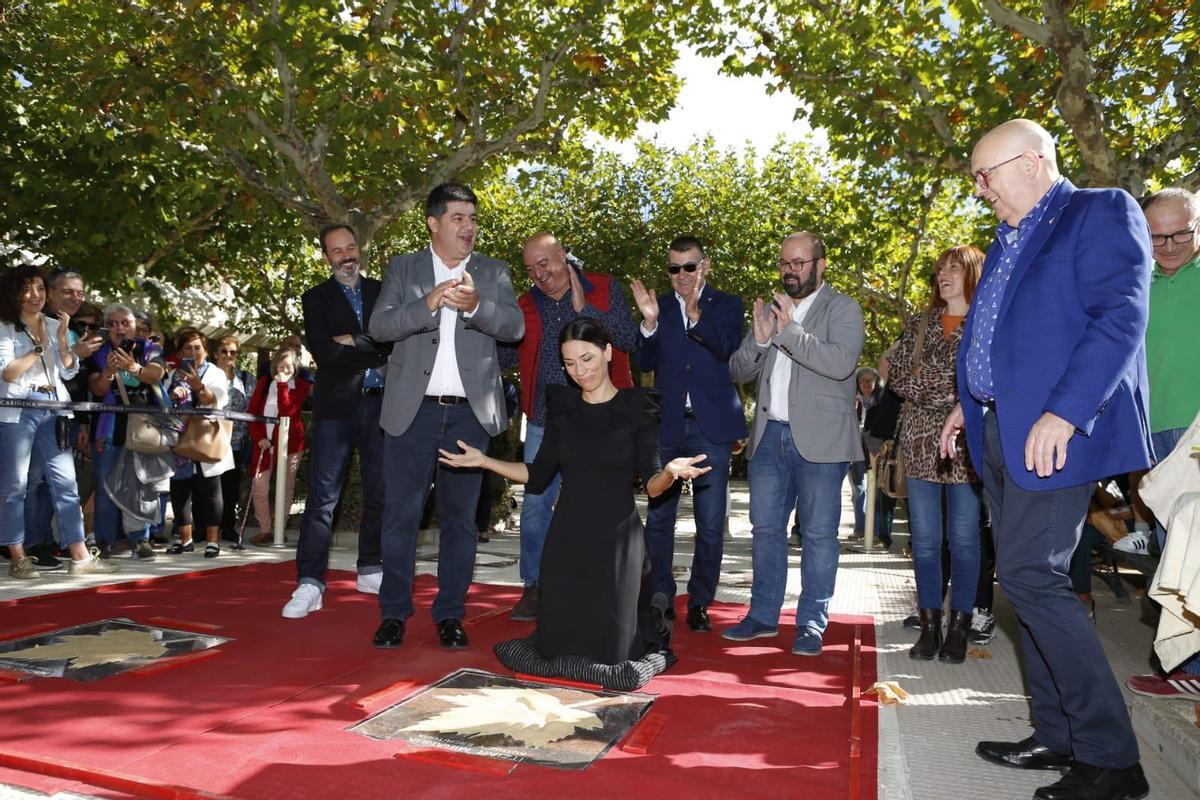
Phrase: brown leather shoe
[954,649]
[930,642]
[526,608]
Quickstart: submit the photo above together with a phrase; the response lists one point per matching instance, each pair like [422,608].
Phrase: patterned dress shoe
[390,633]
[451,632]
[1025,754]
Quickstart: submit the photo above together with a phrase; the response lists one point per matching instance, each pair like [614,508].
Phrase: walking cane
[258,470]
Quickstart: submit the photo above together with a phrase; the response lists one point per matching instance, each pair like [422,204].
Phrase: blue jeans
[31,440]
[858,494]
[708,504]
[961,528]
[39,510]
[331,443]
[536,510]
[1164,442]
[108,518]
[776,465]
[409,461]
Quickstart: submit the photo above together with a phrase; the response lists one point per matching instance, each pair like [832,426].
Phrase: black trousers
[1077,705]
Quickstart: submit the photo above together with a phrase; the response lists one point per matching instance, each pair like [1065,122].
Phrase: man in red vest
[561,292]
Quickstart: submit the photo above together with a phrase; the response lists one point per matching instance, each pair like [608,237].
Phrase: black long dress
[594,563]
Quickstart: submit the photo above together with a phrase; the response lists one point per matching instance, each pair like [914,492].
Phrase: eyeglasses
[690,266]
[228,352]
[795,264]
[154,337]
[981,175]
[1185,236]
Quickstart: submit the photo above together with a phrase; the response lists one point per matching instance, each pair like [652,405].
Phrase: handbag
[204,439]
[893,477]
[148,434]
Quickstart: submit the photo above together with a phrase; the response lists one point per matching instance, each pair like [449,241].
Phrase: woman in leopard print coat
[923,373]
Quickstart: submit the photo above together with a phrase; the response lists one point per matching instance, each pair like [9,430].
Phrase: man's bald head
[1022,134]
[1014,165]
[546,261]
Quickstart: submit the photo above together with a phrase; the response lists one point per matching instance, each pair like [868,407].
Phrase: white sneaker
[370,582]
[983,626]
[1136,542]
[305,600]
[94,565]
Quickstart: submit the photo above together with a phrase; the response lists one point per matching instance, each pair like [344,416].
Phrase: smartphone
[102,332]
[188,364]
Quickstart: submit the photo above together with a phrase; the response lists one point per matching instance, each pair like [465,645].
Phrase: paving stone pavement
[926,746]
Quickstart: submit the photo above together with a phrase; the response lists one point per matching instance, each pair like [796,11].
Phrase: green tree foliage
[195,139]
[912,85]
[882,233]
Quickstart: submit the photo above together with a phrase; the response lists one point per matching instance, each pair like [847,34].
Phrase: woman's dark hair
[585,329]
[12,284]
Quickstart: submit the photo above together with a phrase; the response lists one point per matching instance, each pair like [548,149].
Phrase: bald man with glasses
[687,336]
[1052,398]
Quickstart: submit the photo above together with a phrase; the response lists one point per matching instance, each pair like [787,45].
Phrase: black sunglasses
[690,266]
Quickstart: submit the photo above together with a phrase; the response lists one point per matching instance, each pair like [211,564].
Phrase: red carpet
[264,719]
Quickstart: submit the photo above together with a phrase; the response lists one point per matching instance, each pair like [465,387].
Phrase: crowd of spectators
[64,496]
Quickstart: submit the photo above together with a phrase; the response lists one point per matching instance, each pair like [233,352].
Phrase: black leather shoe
[1025,754]
[698,619]
[1085,782]
[451,632]
[390,633]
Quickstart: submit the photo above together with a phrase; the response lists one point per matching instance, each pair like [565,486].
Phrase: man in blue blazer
[687,337]
[1052,391]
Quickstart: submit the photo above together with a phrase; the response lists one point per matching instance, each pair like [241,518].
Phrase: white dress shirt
[445,379]
[781,375]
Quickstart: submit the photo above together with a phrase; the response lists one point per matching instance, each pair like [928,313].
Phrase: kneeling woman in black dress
[599,438]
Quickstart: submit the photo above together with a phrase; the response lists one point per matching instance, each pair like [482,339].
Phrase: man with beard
[687,336]
[1053,397]
[803,350]
[346,401]
[64,292]
[561,292]
[446,307]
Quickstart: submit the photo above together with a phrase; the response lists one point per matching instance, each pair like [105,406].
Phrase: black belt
[445,399]
[373,391]
[689,413]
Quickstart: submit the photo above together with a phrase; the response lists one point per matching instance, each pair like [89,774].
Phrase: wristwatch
[37,348]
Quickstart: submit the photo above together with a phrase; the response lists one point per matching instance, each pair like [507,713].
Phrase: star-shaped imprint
[88,651]
[529,716]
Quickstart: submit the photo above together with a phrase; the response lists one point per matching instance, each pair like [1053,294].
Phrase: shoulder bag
[892,475]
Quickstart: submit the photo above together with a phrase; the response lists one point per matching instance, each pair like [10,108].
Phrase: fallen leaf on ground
[888,692]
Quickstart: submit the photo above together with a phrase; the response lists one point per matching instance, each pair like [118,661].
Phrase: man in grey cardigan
[445,307]
[802,349]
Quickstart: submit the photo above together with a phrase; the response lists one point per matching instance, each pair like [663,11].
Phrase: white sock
[1144,527]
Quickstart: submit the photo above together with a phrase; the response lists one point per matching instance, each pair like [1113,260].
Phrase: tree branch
[914,248]
[1008,18]
[382,19]
[312,213]
[196,224]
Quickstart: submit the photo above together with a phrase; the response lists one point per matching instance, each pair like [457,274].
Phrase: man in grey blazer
[445,308]
[802,349]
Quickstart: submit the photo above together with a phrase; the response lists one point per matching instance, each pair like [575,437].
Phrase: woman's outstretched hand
[683,468]
[469,458]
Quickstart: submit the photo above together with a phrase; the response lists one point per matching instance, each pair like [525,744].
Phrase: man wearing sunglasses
[687,336]
[1052,396]
[803,351]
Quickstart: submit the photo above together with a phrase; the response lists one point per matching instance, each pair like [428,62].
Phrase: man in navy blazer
[687,337]
[347,397]
[1052,394]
